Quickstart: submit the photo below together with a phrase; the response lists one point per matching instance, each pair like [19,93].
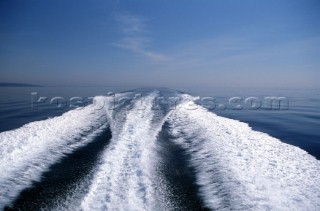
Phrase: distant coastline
[18,85]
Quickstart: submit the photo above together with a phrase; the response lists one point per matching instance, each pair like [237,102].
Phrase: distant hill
[18,85]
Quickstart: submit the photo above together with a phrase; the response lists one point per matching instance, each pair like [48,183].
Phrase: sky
[167,43]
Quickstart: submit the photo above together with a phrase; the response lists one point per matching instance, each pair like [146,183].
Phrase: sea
[124,148]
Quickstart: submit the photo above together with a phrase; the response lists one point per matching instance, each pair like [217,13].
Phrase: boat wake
[233,167]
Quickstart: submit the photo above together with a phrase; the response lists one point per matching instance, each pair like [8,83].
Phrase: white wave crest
[125,178]
[26,152]
[241,169]
[236,168]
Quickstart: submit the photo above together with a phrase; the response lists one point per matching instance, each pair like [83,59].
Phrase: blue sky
[196,43]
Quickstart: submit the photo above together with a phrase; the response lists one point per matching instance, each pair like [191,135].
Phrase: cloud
[130,25]
[134,37]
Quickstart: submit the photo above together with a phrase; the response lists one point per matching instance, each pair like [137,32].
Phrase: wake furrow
[241,169]
[157,159]
[71,170]
[124,180]
[176,174]
[27,152]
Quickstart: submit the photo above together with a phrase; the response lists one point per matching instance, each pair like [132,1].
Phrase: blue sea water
[296,124]
[18,105]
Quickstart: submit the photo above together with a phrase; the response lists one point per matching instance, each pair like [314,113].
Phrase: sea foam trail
[26,152]
[241,169]
[124,180]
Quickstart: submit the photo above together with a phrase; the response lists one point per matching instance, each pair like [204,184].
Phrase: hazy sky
[199,43]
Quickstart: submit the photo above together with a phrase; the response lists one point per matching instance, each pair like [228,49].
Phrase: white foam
[241,169]
[125,178]
[236,168]
[25,153]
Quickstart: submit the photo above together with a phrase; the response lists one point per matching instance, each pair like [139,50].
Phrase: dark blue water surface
[298,124]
